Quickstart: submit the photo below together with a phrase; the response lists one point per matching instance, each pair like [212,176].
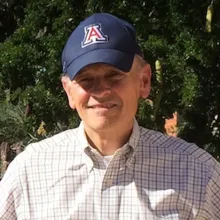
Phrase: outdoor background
[180,39]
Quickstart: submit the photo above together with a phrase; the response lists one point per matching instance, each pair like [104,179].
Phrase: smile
[105,105]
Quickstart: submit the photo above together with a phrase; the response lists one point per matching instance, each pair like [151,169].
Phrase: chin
[103,124]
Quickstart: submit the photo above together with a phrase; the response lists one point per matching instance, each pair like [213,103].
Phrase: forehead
[98,68]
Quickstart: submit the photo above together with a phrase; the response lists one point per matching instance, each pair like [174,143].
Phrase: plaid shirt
[153,176]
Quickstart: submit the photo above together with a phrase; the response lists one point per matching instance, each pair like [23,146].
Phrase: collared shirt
[153,176]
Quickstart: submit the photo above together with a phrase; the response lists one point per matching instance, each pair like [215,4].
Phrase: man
[109,167]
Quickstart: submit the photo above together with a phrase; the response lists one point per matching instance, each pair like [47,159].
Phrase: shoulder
[164,144]
[59,140]
[172,154]
[49,148]
[50,152]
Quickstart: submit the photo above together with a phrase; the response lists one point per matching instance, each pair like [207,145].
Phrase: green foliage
[33,36]
[12,117]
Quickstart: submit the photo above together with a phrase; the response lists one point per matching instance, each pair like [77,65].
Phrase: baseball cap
[100,38]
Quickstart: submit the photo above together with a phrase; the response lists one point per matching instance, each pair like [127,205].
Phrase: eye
[115,76]
[85,83]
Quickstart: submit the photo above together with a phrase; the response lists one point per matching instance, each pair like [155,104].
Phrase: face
[105,97]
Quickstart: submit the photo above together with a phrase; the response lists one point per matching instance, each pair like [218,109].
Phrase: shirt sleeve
[9,192]
[212,200]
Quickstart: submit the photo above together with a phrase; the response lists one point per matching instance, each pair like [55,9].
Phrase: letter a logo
[93,35]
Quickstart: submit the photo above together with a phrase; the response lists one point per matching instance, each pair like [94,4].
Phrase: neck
[109,141]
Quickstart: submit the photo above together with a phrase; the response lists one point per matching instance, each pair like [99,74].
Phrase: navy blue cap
[100,38]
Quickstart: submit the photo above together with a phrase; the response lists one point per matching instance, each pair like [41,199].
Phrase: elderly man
[109,167]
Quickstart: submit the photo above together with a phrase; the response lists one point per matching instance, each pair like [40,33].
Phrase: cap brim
[118,59]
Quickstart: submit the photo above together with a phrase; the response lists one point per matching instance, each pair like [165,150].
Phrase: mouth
[103,105]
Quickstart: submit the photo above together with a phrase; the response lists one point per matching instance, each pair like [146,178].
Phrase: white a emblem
[93,35]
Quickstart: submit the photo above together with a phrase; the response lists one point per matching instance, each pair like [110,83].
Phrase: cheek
[129,93]
[132,88]
[80,96]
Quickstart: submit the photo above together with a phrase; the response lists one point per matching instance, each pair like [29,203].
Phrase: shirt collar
[135,135]
[129,148]
[82,137]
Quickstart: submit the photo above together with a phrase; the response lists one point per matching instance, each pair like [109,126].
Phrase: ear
[145,84]
[67,86]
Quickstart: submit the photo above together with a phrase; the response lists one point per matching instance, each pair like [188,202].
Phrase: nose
[100,88]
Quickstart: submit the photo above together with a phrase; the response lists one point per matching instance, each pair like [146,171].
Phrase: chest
[118,192]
